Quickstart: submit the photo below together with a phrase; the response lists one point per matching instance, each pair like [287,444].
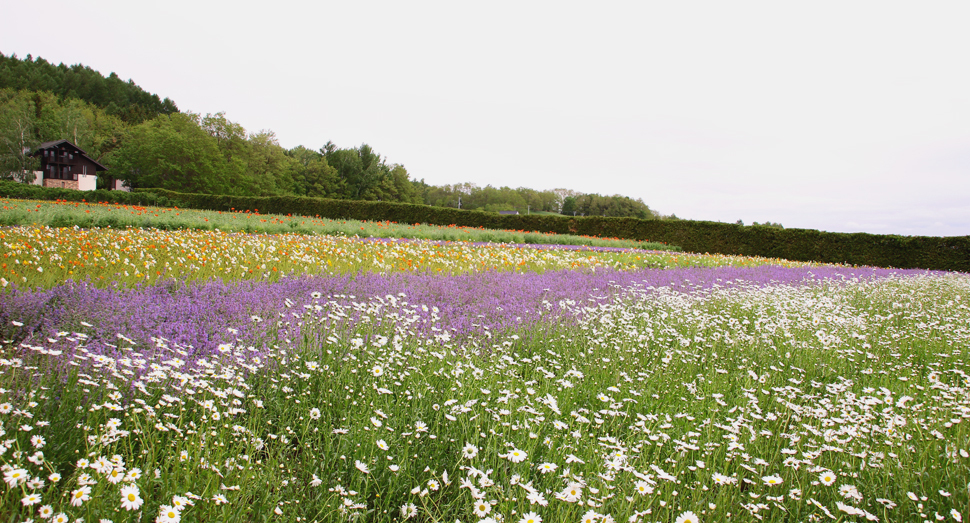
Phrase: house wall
[61,184]
[87,182]
[119,186]
[84,182]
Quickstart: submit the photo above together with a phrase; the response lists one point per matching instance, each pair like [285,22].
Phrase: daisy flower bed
[348,385]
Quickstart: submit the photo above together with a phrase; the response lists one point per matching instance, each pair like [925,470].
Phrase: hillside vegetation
[148,142]
[117,97]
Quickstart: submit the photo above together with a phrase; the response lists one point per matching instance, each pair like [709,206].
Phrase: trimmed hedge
[24,191]
[905,252]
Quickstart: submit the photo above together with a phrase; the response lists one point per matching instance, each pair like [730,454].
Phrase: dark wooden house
[65,165]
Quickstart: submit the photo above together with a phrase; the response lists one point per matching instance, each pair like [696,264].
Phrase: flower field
[105,215]
[46,256]
[196,375]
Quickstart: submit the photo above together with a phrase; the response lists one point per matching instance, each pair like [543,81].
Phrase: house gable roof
[58,143]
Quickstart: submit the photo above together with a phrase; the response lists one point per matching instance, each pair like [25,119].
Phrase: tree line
[117,97]
[148,142]
[525,200]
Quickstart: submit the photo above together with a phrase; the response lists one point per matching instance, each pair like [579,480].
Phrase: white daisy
[643,488]
[408,510]
[516,455]
[827,478]
[116,475]
[80,495]
[547,467]
[131,497]
[687,517]
[772,480]
[168,514]
[15,477]
[572,493]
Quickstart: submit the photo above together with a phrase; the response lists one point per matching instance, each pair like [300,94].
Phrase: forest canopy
[147,142]
[116,96]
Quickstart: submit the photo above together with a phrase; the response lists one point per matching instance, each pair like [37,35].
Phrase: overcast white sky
[841,116]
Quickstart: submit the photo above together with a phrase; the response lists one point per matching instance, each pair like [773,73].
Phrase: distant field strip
[46,256]
[90,215]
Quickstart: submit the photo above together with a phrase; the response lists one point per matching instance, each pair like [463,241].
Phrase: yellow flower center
[131,497]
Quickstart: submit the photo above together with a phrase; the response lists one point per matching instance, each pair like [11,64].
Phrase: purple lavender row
[538,246]
[200,315]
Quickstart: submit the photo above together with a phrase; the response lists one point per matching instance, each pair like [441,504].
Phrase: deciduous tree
[17,137]
[173,152]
